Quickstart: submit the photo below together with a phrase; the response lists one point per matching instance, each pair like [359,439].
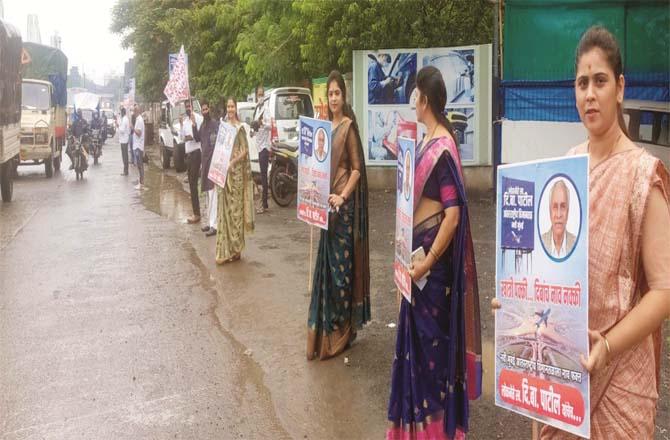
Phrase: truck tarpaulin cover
[10,74]
[48,64]
[86,101]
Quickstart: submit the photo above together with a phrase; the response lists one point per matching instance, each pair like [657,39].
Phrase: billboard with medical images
[386,109]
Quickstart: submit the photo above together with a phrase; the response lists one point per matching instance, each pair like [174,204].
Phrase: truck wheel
[6,180]
[57,161]
[49,167]
[165,157]
[179,158]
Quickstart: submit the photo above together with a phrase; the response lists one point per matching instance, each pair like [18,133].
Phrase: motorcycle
[284,174]
[111,130]
[79,159]
[95,146]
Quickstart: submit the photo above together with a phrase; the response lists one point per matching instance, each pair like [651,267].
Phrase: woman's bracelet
[607,346]
[434,254]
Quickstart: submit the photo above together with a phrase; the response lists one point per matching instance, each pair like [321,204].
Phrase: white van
[285,106]
[245,111]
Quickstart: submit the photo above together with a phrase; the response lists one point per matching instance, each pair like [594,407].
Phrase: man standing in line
[191,130]
[124,134]
[138,145]
[208,133]
[263,127]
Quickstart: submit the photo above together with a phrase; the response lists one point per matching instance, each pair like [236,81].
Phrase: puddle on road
[165,195]
[250,377]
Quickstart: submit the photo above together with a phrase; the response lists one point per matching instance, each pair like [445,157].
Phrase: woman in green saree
[340,302]
[236,199]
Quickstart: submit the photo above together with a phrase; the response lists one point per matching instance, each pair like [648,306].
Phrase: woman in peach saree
[629,252]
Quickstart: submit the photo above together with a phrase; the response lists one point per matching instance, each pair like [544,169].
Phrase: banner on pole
[177,88]
[314,171]
[404,216]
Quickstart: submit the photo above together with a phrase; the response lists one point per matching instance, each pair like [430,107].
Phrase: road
[116,323]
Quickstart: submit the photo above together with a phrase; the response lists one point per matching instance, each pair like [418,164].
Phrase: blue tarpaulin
[555,100]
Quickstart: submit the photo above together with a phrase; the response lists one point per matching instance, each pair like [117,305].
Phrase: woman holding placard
[236,201]
[340,302]
[438,344]
[629,252]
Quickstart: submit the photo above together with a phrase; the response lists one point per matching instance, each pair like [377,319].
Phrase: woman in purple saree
[437,362]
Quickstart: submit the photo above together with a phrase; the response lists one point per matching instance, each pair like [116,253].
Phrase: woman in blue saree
[340,302]
[437,363]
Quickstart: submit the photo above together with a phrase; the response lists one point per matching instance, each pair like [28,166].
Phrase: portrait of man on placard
[558,241]
[321,150]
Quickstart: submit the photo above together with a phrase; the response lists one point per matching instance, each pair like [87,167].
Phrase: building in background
[56,40]
[34,35]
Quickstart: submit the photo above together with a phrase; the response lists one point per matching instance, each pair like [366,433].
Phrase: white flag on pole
[177,88]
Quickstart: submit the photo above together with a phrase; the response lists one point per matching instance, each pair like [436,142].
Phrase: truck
[171,144]
[43,106]
[10,106]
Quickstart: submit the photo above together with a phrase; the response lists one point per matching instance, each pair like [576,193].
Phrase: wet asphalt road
[115,322]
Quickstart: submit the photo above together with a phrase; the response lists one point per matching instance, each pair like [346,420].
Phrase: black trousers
[124,156]
[194,159]
[263,160]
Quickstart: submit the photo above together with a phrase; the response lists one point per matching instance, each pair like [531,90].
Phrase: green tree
[235,44]
[143,26]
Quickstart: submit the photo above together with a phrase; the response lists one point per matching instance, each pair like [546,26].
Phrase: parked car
[649,126]
[285,106]
[171,144]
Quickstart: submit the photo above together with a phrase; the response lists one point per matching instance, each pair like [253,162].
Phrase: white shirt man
[124,138]
[138,140]
[187,130]
[263,144]
[193,149]
[124,130]
[138,148]
[263,135]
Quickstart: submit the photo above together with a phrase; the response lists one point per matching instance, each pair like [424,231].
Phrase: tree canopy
[233,45]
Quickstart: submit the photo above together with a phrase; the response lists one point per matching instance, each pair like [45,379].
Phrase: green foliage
[235,44]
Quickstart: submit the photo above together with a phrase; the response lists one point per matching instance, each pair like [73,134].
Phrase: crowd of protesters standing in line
[437,363]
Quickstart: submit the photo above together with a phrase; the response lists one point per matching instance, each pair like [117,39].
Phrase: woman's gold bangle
[607,346]
[434,254]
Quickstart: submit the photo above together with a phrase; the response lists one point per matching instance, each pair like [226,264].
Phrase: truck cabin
[36,97]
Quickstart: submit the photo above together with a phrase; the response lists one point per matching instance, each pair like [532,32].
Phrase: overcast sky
[83,26]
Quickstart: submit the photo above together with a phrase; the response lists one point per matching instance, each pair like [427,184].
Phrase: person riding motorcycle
[79,130]
[99,123]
